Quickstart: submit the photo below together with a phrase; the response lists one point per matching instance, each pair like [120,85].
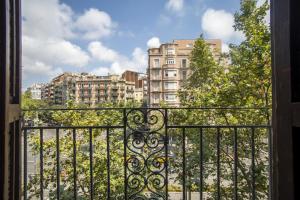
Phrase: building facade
[90,89]
[36,91]
[140,81]
[60,89]
[168,68]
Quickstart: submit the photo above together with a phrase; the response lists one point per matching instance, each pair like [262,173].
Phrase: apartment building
[142,89]
[36,91]
[47,92]
[140,81]
[168,68]
[64,88]
[60,89]
[90,89]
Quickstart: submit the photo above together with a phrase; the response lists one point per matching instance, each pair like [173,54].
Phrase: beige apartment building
[60,89]
[36,91]
[168,68]
[140,84]
[90,89]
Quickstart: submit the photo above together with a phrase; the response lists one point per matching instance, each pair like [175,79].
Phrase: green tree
[29,103]
[244,82]
[99,139]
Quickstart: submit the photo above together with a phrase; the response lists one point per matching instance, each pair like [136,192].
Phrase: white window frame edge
[185,62]
[158,63]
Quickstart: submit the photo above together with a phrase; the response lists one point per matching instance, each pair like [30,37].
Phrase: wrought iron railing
[147,153]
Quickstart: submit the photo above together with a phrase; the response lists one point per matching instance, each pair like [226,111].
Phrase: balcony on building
[114,87]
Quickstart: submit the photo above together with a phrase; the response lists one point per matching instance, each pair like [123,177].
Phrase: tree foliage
[241,78]
[79,118]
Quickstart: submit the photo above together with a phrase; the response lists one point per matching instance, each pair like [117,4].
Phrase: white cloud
[50,18]
[54,51]
[139,58]
[175,5]
[95,24]
[117,62]
[50,32]
[137,62]
[153,42]
[219,24]
[102,53]
[47,18]
[36,69]
[48,26]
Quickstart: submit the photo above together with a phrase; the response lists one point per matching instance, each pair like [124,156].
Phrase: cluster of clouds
[118,61]
[50,43]
[153,42]
[215,24]
[219,24]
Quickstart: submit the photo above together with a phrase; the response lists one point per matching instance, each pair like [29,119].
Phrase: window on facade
[170,97]
[183,63]
[171,61]
[155,74]
[156,98]
[184,75]
[155,86]
[170,51]
[171,73]
[170,85]
[156,63]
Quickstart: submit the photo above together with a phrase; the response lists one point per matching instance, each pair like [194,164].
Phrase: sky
[110,36]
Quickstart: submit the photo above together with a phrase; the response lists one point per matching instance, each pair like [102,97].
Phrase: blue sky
[109,36]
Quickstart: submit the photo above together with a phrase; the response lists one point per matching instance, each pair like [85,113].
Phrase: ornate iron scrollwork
[146,163]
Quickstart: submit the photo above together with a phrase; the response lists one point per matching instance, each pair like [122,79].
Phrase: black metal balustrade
[147,153]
